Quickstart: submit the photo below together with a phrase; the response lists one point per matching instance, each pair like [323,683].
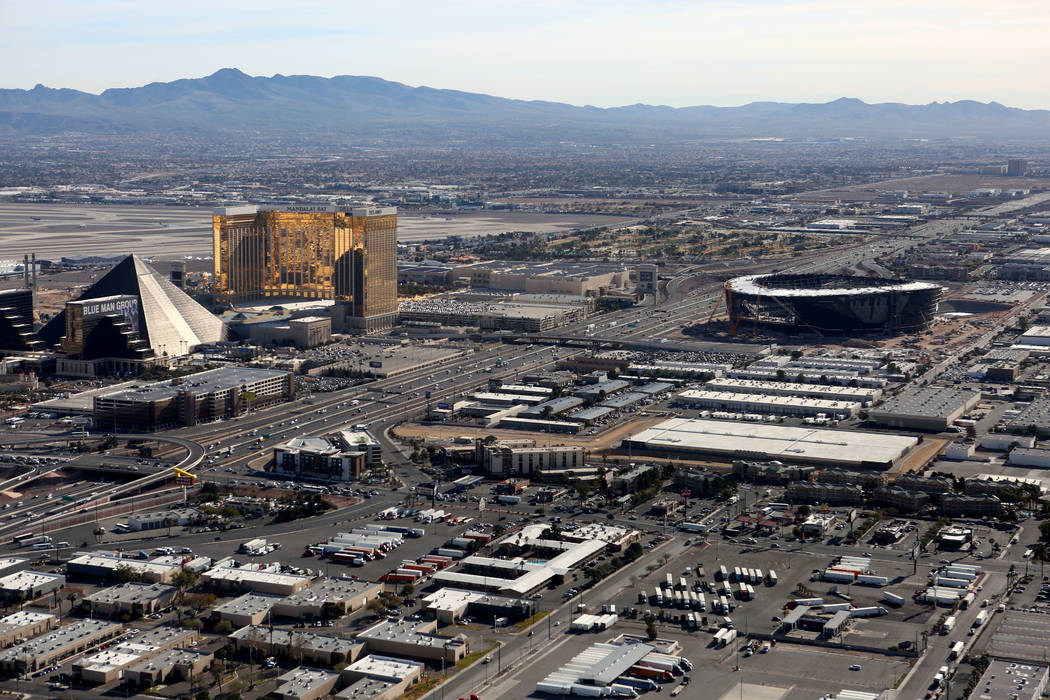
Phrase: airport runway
[54,230]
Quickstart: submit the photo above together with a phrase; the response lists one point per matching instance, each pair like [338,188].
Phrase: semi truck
[948,625]
[892,598]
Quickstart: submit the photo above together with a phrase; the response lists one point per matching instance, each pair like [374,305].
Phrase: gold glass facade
[308,253]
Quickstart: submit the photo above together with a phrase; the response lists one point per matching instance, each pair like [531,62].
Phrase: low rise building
[955,505]
[414,640]
[227,577]
[301,644]
[109,665]
[375,677]
[926,484]
[818,525]
[24,624]
[904,500]
[29,585]
[305,683]
[339,456]
[169,666]
[162,519]
[102,566]
[328,597]
[248,609]
[55,646]
[450,604]
[502,460]
[819,493]
[130,599]
[925,407]
[1016,681]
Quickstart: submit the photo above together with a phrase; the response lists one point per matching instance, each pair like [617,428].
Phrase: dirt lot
[605,440]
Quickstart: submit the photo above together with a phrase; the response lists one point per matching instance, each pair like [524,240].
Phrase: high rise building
[16,320]
[310,252]
[1016,167]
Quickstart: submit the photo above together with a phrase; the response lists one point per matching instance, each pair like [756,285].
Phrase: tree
[183,580]
[216,669]
[125,574]
[650,627]
[408,589]
[170,522]
[803,511]
[223,627]
[633,551]
[583,489]
[98,532]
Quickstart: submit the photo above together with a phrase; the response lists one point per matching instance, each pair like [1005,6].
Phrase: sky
[598,52]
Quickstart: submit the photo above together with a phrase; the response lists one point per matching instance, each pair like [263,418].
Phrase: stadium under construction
[825,304]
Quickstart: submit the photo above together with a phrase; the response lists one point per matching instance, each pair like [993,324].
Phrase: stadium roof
[766,285]
[169,320]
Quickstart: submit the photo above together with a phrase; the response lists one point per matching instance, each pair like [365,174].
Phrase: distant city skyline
[604,53]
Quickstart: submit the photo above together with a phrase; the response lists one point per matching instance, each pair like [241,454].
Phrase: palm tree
[1040,553]
[170,522]
[98,532]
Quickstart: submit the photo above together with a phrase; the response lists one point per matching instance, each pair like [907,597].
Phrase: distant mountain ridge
[347,108]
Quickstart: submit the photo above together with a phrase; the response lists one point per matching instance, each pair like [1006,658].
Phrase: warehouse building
[328,597]
[377,677]
[450,604]
[24,624]
[132,599]
[248,609]
[925,407]
[1038,458]
[1008,679]
[414,640]
[102,566]
[809,391]
[1035,417]
[169,667]
[186,401]
[29,585]
[108,665]
[61,643]
[225,576]
[305,683]
[736,440]
[312,648]
[765,404]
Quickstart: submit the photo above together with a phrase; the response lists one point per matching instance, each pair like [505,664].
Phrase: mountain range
[354,109]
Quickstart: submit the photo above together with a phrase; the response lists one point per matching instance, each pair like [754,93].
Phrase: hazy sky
[607,52]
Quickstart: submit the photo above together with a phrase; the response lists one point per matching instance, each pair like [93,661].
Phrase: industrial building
[248,609]
[186,401]
[132,302]
[766,404]
[310,647]
[226,576]
[555,277]
[310,252]
[376,677]
[58,644]
[102,566]
[1034,417]
[925,407]
[301,332]
[831,304]
[1009,679]
[169,666]
[131,599]
[413,640]
[29,585]
[736,440]
[450,604]
[328,597]
[108,665]
[24,624]
[489,314]
[305,683]
[809,391]
[340,456]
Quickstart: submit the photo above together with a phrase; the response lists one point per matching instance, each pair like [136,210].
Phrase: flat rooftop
[928,402]
[385,667]
[24,580]
[784,443]
[248,604]
[307,640]
[131,593]
[58,638]
[210,381]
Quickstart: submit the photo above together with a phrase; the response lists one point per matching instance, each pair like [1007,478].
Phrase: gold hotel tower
[310,252]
